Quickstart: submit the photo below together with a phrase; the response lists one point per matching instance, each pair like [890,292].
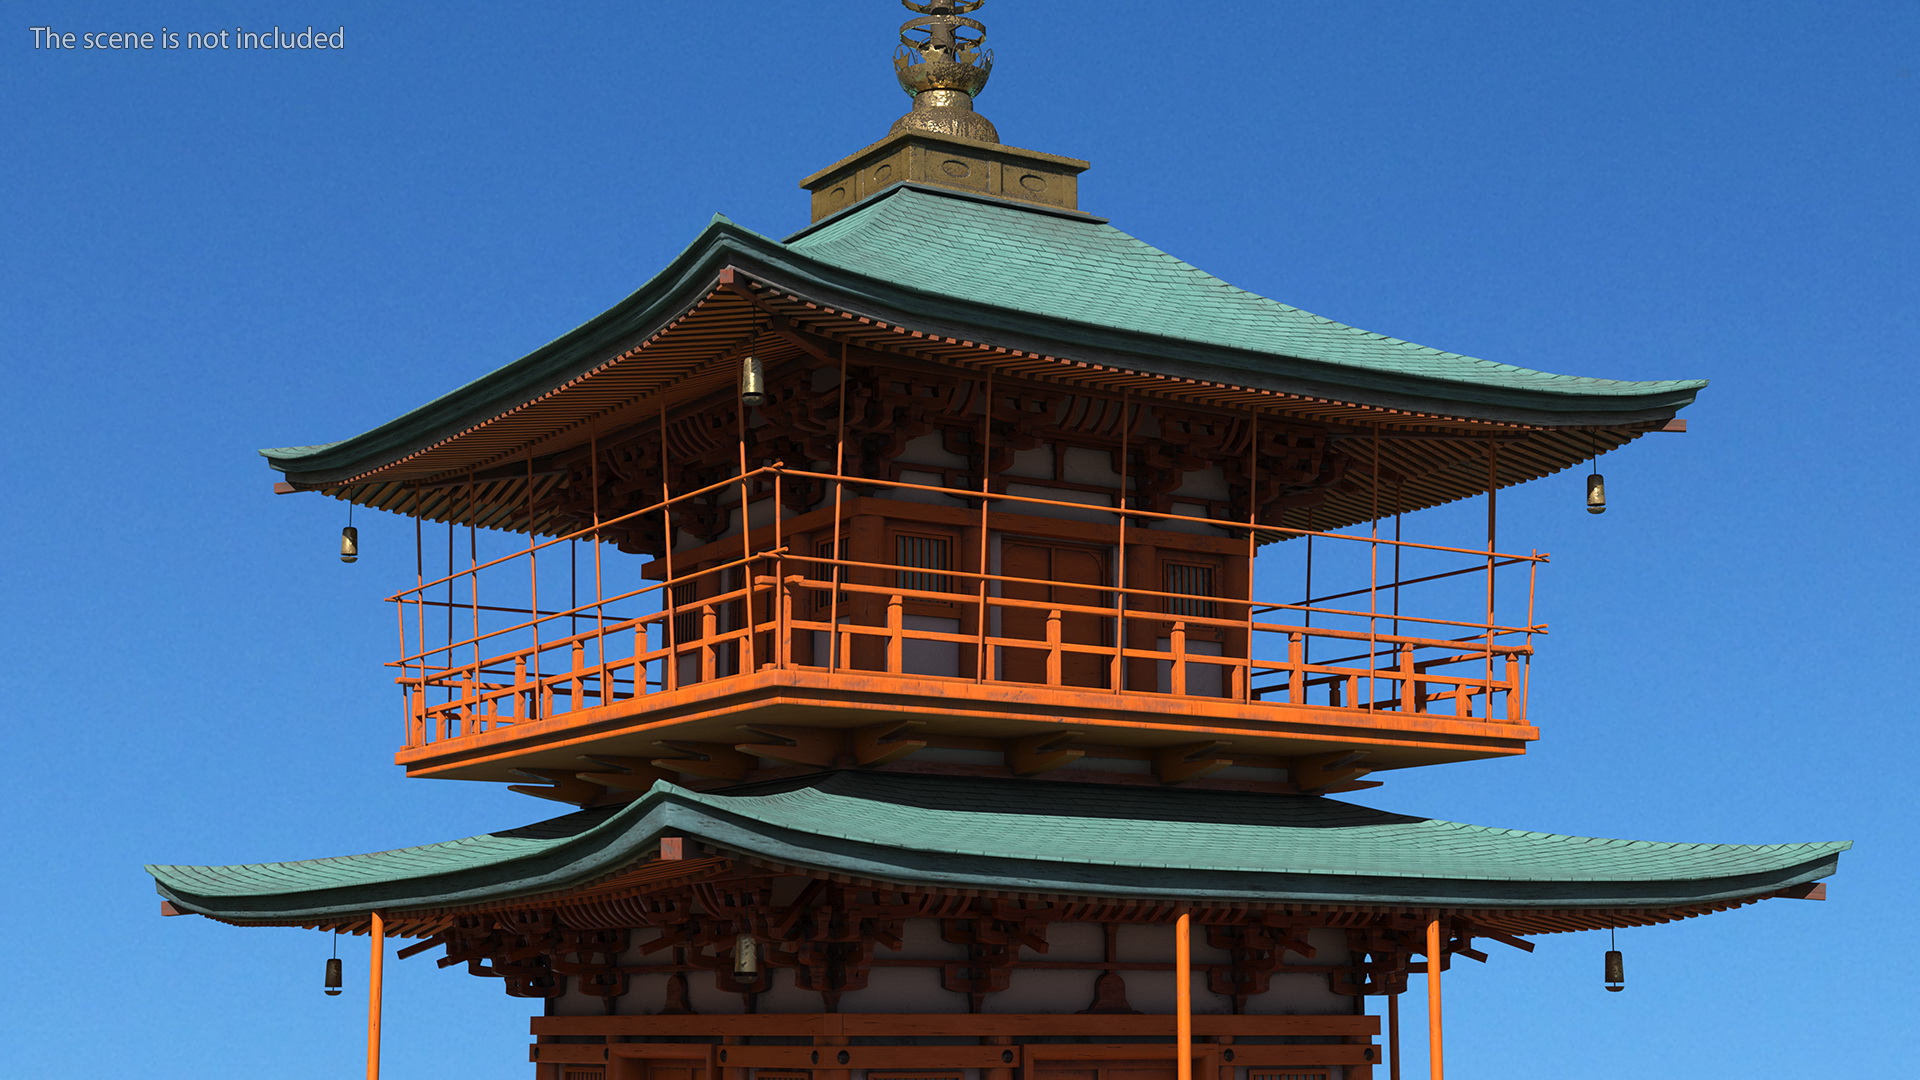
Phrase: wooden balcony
[816,661]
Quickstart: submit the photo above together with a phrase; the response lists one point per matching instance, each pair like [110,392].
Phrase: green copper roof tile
[1089,272]
[1058,837]
[1022,278]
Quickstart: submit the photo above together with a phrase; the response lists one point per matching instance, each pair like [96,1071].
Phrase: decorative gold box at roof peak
[925,157]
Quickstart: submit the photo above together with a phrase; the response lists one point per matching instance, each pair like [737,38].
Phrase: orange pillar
[379,934]
[1183,997]
[1435,1061]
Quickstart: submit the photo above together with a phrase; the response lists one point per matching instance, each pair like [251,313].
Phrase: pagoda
[883,600]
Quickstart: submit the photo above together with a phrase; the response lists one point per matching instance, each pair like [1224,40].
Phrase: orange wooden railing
[776,610]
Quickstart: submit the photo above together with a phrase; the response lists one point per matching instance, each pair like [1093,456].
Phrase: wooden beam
[819,747]
[1188,761]
[715,761]
[882,744]
[627,773]
[561,785]
[1315,773]
[1035,754]
[1813,890]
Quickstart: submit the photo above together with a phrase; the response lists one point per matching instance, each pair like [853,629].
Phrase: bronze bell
[753,383]
[1596,494]
[1616,971]
[349,544]
[332,985]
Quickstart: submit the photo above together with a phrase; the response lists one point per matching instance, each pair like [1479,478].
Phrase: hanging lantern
[746,955]
[1596,494]
[332,985]
[1616,971]
[753,382]
[349,544]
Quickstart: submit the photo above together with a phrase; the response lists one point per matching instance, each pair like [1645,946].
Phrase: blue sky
[207,252]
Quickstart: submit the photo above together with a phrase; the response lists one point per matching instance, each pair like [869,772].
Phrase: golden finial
[941,63]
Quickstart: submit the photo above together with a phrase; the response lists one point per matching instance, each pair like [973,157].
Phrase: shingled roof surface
[1026,836]
[1086,271]
[1070,286]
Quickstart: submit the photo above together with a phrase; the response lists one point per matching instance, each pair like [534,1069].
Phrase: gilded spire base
[947,112]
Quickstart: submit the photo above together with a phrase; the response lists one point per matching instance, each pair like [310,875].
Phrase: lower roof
[1026,837]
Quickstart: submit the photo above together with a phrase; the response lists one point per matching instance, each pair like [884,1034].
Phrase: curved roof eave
[691,276]
[1093,858]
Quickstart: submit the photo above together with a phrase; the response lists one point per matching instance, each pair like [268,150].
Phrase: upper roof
[1050,282]
[1068,839]
[1079,269]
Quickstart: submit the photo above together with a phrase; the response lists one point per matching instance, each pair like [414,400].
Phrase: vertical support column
[1117,677]
[983,616]
[1393,1037]
[745,654]
[1493,533]
[671,590]
[1436,1067]
[1183,996]
[834,659]
[378,932]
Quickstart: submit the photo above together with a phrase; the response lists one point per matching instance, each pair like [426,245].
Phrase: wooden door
[1054,573]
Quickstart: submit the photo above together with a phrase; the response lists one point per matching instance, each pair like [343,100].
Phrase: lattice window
[583,1072]
[924,554]
[686,619]
[1187,580]
[823,598]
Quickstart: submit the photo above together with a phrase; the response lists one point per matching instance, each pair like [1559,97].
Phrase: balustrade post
[783,615]
[416,715]
[520,705]
[1053,647]
[896,624]
[709,649]
[1409,682]
[579,679]
[1297,661]
[1177,641]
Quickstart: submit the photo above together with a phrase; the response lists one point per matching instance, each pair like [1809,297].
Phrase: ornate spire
[941,63]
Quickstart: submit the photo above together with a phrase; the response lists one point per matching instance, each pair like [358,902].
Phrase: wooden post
[1435,1060]
[1393,1037]
[378,931]
[1183,996]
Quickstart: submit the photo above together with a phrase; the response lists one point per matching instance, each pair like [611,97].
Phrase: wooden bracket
[1316,773]
[167,909]
[1812,890]
[881,744]
[1188,761]
[818,747]
[1035,754]
[715,761]
[627,773]
[1508,940]
[560,785]
[673,848]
